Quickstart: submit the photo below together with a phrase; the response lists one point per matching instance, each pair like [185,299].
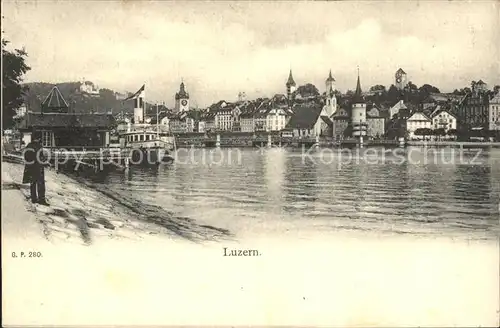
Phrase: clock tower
[400,79]
[182,99]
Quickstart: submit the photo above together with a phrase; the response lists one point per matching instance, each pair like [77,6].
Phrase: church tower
[182,99]
[358,112]
[331,99]
[290,88]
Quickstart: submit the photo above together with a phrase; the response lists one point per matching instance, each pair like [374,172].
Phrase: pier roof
[54,101]
[53,120]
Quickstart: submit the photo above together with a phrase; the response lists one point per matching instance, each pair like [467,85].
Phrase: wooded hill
[78,102]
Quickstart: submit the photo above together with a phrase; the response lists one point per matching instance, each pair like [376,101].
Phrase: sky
[222,48]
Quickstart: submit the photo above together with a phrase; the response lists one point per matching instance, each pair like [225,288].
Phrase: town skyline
[123,46]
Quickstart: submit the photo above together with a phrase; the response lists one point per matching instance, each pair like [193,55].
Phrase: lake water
[445,192]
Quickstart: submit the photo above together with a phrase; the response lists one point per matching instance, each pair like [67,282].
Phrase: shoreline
[79,212]
[349,144]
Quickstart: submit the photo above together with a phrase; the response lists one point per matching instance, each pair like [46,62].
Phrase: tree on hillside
[411,87]
[14,68]
[378,88]
[393,94]
[308,90]
[496,89]
[428,89]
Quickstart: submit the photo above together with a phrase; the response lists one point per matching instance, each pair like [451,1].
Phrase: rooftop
[304,116]
[66,120]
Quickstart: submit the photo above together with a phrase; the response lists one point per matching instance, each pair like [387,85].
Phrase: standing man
[34,172]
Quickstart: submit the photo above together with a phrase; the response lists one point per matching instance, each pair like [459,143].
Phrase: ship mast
[157,123]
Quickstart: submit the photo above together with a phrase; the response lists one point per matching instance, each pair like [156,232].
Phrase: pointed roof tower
[182,94]
[54,102]
[330,77]
[290,81]
[358,95]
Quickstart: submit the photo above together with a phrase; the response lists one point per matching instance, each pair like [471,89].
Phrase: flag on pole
[139,94]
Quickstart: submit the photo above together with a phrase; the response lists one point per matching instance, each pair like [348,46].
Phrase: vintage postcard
[236,163]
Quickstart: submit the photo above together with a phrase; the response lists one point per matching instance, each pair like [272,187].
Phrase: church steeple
[358,94]
[330,77]
[290,81]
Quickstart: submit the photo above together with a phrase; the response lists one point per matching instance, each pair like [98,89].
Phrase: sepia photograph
[237,163]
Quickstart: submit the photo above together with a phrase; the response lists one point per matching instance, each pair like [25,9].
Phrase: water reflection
[276,184]
[301,183]
[274,173]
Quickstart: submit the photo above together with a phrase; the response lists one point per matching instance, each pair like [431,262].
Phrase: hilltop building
[242,96]
[88,88]
[181,99]
[401,79]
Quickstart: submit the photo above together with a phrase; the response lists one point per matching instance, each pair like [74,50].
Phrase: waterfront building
[400,79]
[57,127]
[306,121]
[247,122]
[182,99]
[182,122]
[260,115]
[277,118]
[177,122]
[207,122]
[340,122]
[226,116]
[358,112]
[417,121]
[443,119]
[291,86]
[473,110]
[375,122]
[494,113]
